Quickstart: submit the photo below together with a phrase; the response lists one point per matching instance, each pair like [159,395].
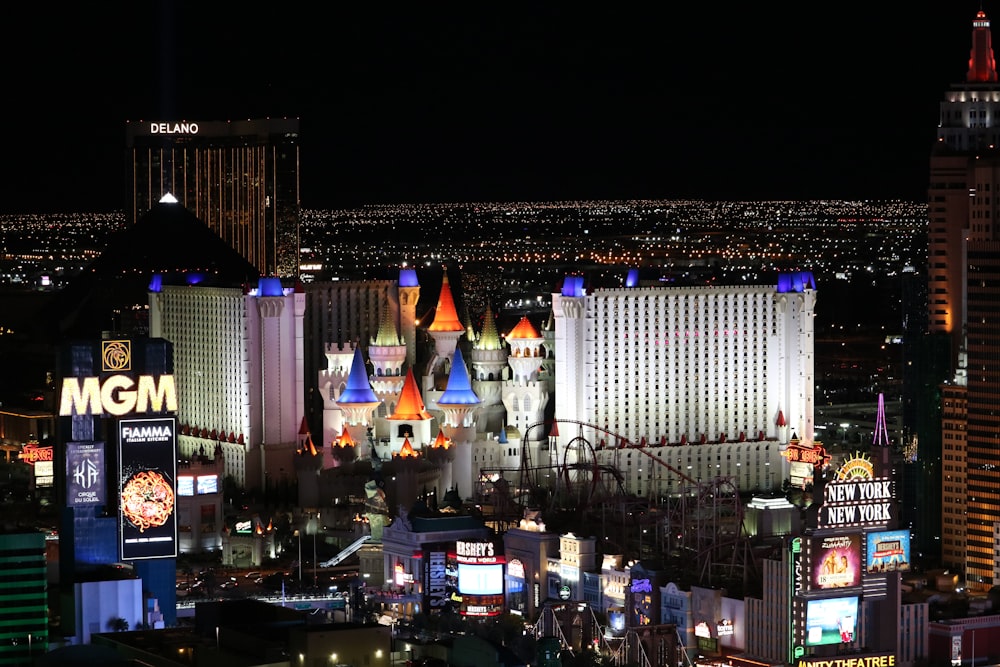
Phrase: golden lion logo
[116,355]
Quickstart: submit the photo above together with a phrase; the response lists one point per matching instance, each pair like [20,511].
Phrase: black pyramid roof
[168,241]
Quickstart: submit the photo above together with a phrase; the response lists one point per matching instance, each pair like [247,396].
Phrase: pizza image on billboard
[147,500]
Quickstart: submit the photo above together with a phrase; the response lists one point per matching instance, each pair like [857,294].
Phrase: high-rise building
[238,353]
[959,197]
[241,178]
[713,381]
[953,487]
[25,624]
[963,286]
[983,422]
[687,362]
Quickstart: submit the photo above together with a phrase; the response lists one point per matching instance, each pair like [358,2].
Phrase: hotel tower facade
[241,178]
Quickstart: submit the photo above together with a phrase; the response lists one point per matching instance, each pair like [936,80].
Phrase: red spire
[524,329]
[781,418]
[345,439]
[441,441]
[406,451]
[982,65]
[445,315]
[410,405]
[304,426]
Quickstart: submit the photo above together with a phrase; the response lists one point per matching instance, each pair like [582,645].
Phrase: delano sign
[117,395]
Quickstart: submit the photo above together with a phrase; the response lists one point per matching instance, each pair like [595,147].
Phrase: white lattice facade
[687,362]
[238,360]
[208,327]
[688,367]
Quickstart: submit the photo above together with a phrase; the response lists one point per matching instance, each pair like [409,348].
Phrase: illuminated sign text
[438,595]
[888,660]
[118,395]
[475,552]
[815,455]
[32,453]
[173,128]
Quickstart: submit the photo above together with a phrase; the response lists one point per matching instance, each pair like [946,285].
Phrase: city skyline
[430,105]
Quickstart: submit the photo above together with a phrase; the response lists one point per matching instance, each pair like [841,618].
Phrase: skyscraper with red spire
[959,197]
[964,260]
[982,65]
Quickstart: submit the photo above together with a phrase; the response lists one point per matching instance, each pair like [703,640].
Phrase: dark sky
[430,102]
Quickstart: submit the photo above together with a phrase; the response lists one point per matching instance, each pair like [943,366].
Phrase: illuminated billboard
[44,474]
[480,579]
[208,484]
[831,620]
[147,470]
[836,561]
[888,551]
[86,481]
[185,485]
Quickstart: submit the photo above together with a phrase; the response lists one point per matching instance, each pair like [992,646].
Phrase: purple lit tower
[357,401]
[409,292]
[459,404]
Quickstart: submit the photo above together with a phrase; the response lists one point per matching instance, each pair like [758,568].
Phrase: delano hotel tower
[241,178]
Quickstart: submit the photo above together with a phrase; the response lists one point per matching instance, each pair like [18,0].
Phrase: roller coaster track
[702,524]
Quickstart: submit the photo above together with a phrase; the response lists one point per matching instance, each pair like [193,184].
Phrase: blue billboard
[85,476]
[888,551]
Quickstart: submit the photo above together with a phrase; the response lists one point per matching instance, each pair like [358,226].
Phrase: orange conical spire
[441,441]
[410,405]
[445,315]
[345,439]
[982,65]
[406,451]
[524,329]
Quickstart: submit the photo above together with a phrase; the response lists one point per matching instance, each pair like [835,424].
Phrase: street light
[299,535]
[315,530]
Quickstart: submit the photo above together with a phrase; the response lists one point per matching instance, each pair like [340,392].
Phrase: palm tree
[118,624]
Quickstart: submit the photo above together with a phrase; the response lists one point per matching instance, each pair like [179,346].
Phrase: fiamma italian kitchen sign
[117,394]
[856,498]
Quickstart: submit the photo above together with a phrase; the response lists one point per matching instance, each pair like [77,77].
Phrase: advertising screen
[44,474]
[831,620]
[147,472]
[836,561]
[85,473]
[480,579]
[888,551]
[185,485]
[208,484]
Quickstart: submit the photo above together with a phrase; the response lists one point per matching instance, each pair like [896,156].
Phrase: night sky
[441,102]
